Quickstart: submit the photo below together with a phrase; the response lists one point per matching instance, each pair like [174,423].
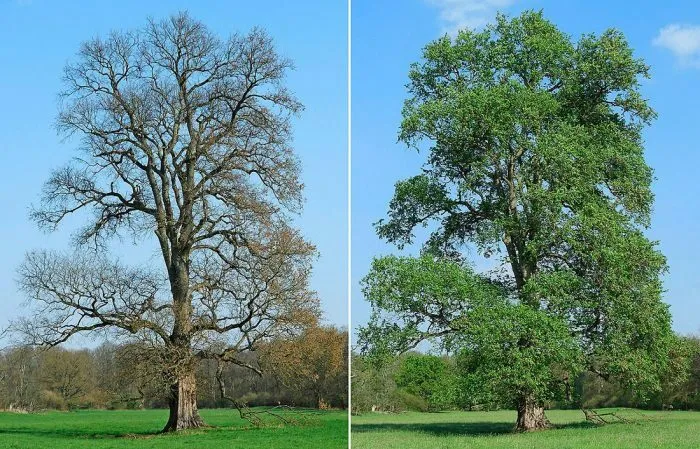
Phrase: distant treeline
[307,371]
[421,382]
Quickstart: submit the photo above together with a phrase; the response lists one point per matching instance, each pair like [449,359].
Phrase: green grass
[101,429]
[473,430]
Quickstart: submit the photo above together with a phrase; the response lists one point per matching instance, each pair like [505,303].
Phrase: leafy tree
[494,358]
[680,382]
[429,377]
[535,156]
[373,385]
[185,138]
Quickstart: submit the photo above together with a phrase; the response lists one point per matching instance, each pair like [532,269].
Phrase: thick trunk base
[531,416]
[183,406]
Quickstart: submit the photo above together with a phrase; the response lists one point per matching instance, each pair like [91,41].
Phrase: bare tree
[18,373]
[315,364]
[69,374]
[186,136]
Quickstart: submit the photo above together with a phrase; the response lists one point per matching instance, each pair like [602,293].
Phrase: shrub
[52,400]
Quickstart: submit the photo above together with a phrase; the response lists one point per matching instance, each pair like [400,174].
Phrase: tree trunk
[183,393]
[531,415]
[183,405]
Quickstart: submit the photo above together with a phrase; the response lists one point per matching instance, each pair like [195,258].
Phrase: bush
[407,401]
[52,400]
[94,399]
[429,377]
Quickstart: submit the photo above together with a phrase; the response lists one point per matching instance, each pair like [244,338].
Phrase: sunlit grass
[473,430]
[101,429]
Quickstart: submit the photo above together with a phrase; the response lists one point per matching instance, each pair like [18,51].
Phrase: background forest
[308,371]
[422,382]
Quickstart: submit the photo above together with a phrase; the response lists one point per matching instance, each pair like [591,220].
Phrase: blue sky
[388,37]
[39,36]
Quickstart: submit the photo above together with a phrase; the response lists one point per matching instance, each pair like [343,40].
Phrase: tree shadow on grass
[456,428]
[76,433]
[73,433]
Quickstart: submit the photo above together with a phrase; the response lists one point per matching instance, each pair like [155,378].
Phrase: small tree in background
[68,374]
[315,364]
[185,138]
[535,155]
[373,385]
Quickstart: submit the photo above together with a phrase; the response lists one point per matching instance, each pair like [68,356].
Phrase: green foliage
[374,387]
[485,376]
[514,350]
[535,155]
[414,299]
[680,383]
[429,377]
[406,401]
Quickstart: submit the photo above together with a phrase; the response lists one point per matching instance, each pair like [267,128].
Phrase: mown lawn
[473,430]
[101,429]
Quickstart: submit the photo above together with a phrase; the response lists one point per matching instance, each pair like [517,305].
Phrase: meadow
[474,430]
[102,429]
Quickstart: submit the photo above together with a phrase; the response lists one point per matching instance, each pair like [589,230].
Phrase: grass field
[101,429]
[473,430]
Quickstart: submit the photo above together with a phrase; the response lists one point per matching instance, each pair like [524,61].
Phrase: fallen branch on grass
[613,417]
[277,415]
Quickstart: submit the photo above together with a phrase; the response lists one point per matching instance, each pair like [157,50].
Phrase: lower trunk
[183,405]
[531,415]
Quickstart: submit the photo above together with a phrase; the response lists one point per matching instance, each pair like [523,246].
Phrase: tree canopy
[534,155]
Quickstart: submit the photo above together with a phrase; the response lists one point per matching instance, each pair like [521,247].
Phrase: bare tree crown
[187,136]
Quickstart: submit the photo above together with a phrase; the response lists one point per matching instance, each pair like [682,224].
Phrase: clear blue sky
[39,36]
[388,36]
